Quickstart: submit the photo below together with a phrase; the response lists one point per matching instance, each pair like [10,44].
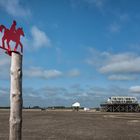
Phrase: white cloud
[122,63]
[14,8]
[56,95]
[119,77]
[121,66]
[42,73]
[114,63]
[37,39]
[135,89]
[74,73]
[113,58]
[96,58]
[38,72]
[53,73]
[40,39]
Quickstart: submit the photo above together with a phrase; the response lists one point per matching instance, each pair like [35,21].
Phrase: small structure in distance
[86,109]
[76,106]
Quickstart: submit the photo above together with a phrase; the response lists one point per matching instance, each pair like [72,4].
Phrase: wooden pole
[16,97]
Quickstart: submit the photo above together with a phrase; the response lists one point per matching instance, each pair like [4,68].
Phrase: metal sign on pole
[15,120]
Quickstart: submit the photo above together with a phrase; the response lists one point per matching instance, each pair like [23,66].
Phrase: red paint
[11,34]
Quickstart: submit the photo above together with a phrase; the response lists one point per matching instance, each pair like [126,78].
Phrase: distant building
[86,109]
[120,104]
[76,106]
[122,100]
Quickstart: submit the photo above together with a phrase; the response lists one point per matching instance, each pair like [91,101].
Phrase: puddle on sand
[109,116]
[133,121]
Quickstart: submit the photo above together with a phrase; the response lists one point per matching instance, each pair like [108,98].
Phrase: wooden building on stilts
[120,104]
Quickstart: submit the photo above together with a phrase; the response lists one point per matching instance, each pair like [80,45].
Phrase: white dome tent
[76,106]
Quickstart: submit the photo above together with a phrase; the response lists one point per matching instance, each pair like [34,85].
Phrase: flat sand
[69,125]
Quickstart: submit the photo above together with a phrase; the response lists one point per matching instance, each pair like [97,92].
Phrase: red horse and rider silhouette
[11,34]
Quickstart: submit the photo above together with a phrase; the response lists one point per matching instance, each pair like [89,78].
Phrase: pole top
[11,34]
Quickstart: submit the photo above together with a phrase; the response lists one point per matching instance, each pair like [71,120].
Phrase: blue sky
[74,50]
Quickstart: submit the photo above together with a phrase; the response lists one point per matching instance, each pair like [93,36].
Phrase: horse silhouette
[14,36]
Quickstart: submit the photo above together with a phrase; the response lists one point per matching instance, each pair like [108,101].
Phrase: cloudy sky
[74,50]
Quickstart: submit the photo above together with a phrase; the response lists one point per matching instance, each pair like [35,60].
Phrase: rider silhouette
[11,34]
[13,27]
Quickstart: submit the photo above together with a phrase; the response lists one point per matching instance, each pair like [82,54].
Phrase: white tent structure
[76,104]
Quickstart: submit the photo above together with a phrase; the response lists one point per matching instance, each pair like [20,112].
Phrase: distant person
[13,27]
